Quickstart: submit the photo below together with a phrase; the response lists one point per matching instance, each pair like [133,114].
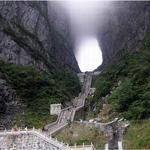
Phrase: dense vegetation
[137,136]
[38,90]
[127,83]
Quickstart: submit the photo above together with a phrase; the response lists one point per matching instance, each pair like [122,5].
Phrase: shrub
[103,87]
[39,89]
[132,96]
[123,95]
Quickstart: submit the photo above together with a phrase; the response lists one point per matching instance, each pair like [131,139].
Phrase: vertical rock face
[29,35]
[125,27]
[32,33]
[9,105]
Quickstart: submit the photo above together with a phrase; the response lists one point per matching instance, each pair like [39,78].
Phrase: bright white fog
[88,54]
[86,18]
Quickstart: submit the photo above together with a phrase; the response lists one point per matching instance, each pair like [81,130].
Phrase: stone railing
[120,147]
[83,147]
[58,128]
[39,141]
[37,137]
[99,125]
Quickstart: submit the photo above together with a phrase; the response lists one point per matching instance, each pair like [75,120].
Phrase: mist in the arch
[86,18]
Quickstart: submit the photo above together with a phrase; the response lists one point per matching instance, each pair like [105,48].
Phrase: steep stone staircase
[38,140]
[68,114]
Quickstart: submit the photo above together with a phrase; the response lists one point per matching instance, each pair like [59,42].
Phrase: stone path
[68,113]
[38,140]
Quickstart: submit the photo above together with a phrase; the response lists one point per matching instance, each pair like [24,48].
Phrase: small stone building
[55,109]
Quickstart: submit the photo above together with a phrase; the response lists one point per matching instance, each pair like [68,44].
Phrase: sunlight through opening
[89,55]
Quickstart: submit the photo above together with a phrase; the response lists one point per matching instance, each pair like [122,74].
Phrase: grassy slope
[38,90]
[79,134]
[138,135]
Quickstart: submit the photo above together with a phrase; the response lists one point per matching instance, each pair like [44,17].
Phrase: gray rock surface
[29,36]
[38,33]
[32,33]
[10,106]
[125,26]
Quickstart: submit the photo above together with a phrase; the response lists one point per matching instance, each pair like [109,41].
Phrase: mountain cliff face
[34,36]
[36,33]
[29,36]
[125,26]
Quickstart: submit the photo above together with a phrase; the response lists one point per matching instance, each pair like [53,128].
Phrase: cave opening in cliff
[88,54]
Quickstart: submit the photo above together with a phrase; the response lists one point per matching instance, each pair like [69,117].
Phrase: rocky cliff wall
[36,33]
[125,26]
[30,35]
